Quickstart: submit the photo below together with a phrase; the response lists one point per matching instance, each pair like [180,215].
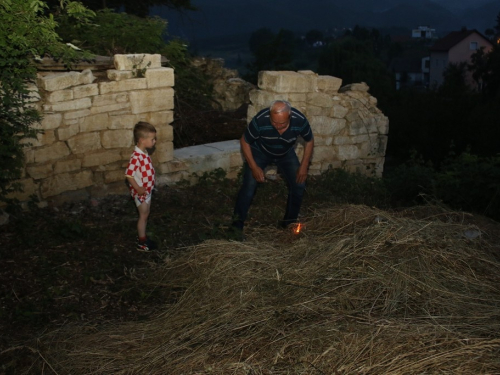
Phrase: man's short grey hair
[285,107]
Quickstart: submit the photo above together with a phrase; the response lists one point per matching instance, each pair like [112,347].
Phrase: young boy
[141,179]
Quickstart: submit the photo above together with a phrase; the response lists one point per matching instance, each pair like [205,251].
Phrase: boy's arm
[140,189]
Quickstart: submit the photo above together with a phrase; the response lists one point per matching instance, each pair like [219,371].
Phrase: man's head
[280,114]
[144,134]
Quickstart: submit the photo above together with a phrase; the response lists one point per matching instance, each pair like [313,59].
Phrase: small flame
[297,229]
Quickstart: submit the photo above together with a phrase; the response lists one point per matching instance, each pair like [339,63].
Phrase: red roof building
[454,48]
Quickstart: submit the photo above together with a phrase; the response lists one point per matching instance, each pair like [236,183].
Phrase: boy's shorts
[144,200]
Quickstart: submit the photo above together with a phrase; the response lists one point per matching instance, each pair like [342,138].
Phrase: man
[270,138]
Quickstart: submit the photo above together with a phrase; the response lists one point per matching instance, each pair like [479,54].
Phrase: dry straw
[360,291]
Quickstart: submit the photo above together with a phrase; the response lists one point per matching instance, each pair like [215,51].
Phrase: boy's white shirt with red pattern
[141,169]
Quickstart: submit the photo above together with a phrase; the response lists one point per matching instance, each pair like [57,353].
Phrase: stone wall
[349,130]
[87,127]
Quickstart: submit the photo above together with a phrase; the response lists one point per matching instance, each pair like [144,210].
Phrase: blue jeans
[287,167]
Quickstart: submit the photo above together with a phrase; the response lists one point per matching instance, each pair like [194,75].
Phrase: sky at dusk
[221,17]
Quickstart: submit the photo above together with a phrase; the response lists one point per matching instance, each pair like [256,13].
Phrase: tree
[271,51]
[25,35]
[136,7]
[354,61]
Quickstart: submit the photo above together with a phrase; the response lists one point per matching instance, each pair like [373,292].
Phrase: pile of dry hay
[360,291]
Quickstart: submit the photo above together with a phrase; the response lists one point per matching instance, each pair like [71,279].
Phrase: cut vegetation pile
[359,291]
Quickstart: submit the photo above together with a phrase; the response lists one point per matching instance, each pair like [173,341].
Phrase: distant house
[423,32]
[454,48]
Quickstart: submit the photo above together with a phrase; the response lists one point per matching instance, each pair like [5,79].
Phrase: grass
[78,264]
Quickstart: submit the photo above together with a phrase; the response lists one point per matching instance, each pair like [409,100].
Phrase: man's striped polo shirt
[262,135]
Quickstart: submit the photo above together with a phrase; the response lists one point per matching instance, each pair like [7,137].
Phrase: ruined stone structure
[230,92]
[88,138]
[87,127]
[349,130]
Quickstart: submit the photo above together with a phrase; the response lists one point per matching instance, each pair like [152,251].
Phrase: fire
[297,228]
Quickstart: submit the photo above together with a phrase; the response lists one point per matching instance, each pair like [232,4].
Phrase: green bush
[26,34]
[465,182]
[341,186]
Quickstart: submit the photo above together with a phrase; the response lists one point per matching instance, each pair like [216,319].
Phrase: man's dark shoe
[285,224]
[235,232]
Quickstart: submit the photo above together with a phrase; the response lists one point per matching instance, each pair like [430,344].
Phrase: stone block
[71,105]
[296,99]
[326,126]
[51,121]
[101,158]
[160,77]
[342,140]
[94,123]
[322,153]
[164,133]
[172,178]
[319,99]
[338,111]
[322,141]
[206,158]
[158,118]
[113,188]
[109,99]
[76,114]
[123,121]
[313,110]
[61,81]
[29,155]
[65,182]
[39,171]
[86,91]
[55,151]
[262,99]
[117,138]
[171,166]
[164,152]
[125,85]
[329,84]
[59,96]
[28,188]
[65,166]
[358,125]
[84,142]
[287,81]
[348,152]
[114,176]
[42,139]
[119,75]
[363,87]
[382,123]
[137,61]
[152,100]
[236,159]
[122,108]
[65,133]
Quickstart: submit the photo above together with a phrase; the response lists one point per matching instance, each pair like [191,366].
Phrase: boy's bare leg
[143,209]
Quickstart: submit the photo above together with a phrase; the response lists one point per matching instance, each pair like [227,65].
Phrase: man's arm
[304,165]
[257,172]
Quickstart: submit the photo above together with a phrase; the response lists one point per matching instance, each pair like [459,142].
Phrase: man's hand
[301,174]
[258,174]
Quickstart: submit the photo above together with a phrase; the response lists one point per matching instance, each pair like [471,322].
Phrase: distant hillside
[222,18]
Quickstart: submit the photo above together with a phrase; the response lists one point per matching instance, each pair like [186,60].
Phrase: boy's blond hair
[142,129]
